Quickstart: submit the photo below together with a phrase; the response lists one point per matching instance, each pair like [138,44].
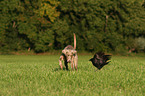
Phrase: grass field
[40,75]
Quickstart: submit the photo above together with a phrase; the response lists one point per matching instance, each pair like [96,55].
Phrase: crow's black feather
[100,59]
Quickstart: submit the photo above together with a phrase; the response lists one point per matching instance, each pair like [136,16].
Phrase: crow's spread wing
[100,59]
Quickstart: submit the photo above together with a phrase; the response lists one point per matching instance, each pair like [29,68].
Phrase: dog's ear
[74,51]
[64,51]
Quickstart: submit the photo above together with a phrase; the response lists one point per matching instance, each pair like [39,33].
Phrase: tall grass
[41,76]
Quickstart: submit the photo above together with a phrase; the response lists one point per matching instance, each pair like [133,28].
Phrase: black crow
[100,59]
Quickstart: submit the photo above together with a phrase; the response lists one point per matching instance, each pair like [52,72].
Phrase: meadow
[40,75]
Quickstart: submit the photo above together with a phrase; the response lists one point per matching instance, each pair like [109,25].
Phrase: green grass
[39,75]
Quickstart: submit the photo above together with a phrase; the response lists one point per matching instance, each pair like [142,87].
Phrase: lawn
[40,75]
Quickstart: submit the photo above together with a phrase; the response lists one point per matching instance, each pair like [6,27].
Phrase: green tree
[105,24]
[43,25]
[24,27]
[8,31]
[48,9]
[81,17]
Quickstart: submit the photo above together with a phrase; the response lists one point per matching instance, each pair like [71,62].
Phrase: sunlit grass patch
[41,75]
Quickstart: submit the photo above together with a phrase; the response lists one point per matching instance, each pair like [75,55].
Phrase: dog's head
[69,54]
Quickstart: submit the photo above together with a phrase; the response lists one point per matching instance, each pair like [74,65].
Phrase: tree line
[46,25]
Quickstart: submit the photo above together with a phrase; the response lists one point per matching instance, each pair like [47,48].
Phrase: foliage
[47,8]
[140,43]
[45,25]
[136,45]
[21,26]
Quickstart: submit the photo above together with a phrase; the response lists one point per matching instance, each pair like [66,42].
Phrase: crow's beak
[91,59]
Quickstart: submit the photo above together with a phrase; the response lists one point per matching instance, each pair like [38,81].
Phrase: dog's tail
[74,41]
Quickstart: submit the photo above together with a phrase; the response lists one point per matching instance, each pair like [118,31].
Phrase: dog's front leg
[76,61]
[65,62]
[72,63]
[60,62]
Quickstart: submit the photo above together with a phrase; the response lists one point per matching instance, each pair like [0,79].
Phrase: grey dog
[69,55]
